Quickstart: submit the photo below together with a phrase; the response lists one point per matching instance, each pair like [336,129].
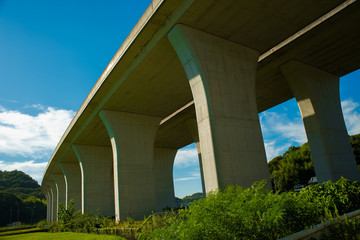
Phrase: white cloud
[273,123]
[186,158]
[8,100]
[32,136]
[280,132]
[193,176]
[35,170]
[272,150]
[351,116]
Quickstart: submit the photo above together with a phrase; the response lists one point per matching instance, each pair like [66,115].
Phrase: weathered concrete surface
[97,181]
[72,175]
[132,138]
[222,79]
[318,97]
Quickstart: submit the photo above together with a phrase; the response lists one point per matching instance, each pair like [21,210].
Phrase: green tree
[295,166]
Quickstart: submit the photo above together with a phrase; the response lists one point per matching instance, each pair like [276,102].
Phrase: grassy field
[65,235]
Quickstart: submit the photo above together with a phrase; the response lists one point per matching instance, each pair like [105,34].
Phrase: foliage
[14,209]
[65,215]
[341,197]
[15,179]
[69,220]
[20,198]
[20,184]
[237,213]
[292,168]
[255,213]
[295,166]
[345,229]
[42,224]
[355,143]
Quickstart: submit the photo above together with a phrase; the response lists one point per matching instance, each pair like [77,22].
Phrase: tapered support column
[192,126]
[97,181]
[60,186]
[222,80]
[317,94]
[54,203]
[48,204]
[164,183]
[132,138]
[72,176]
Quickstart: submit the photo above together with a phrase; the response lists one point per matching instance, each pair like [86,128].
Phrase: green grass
[21,231]
[6,229]
[64,235]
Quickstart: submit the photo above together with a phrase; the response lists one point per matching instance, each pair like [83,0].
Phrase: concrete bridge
[201,71]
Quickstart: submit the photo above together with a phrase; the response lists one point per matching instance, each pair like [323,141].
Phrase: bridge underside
[283,49]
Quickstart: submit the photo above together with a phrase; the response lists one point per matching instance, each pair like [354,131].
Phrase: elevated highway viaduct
[201,71]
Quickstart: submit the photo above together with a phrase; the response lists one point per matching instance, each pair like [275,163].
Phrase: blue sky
[53,52]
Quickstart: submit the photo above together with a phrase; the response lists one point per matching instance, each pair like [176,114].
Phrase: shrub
[341,196]
[345,229]
[237,213]
[69,220]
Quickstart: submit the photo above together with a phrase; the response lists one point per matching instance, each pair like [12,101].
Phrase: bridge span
[201,71]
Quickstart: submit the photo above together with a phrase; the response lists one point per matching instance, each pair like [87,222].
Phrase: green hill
[20,184]
[20,198]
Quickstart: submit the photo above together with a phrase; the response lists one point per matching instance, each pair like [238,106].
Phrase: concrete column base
[317,94]
[222,79]
[164,182]
[60,185]
[72,175]
[97,180]
[54,203]
[47,194]
[132,138]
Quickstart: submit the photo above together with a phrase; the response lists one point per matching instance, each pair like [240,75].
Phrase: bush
[342,196]
[237,213]
[42,224]
[69,220]
[345,229]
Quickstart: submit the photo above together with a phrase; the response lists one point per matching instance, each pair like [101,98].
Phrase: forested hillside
[295,165]
[20,198]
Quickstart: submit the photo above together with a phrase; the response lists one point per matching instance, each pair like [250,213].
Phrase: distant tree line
[295,166]
[20,198]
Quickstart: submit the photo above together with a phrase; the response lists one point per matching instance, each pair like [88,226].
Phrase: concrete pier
[72,175]
[317,94]
[132,139]
[201,72]
[222,79]
[97,181]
